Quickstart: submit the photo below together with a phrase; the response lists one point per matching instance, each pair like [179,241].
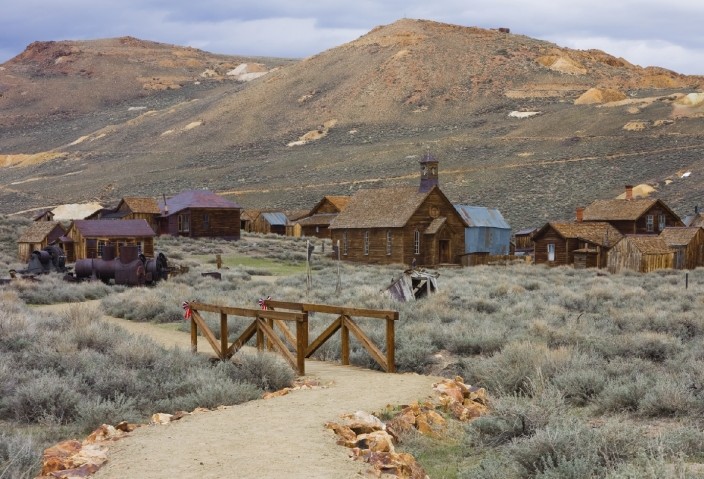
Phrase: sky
[661,33]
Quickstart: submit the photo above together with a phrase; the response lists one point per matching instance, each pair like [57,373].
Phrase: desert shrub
[20,455]
[623,394]
[267,371]
[106,410]
[52,289]
[46,397]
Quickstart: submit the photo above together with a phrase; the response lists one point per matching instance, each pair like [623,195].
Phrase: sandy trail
[275,438]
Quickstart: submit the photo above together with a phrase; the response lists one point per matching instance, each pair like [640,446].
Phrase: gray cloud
[644,32]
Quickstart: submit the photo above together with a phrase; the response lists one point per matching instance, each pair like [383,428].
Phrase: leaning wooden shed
[642,253]
[38,235]
[688,245]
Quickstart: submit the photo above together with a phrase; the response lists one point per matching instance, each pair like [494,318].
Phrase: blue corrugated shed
[488,231]
[275,219]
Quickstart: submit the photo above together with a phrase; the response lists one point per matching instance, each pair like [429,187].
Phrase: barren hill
[517,123]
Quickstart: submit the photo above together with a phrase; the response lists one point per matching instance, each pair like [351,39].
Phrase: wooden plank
[344,341]
[301,346]
[242,340]
[194,336]
[288,335]
[278,344]
[223,333]
[324,336]
[341,310]
[195,315]
[390,347]
[269,345]
[367,343]
[281,315]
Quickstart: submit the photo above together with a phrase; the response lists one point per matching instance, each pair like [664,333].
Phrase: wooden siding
[220,223]
[625,256]
[88,247]
[639,226]
[26,248]
[562,255]
[690,256]
[148,217]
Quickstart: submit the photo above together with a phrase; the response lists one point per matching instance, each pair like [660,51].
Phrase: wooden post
[218,261]
[194,336]
[345,341]
[390,346]
[223,335]
[301,344]
[269,344]
[260,336]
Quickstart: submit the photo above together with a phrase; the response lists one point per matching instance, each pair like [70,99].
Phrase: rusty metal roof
[196,199]
[679,236]
[380,208]
[36,232]
[480,216]
[113,228]
[648,244]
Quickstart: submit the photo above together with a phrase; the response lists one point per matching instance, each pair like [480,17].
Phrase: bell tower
[428,173]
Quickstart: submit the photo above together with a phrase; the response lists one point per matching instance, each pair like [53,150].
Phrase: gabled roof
[275,218]
[479,216]
[380,208]
[294,215]
[322,219]
[140,205]
[617,210]
[596,232]
[339,202]
[648,244]
[249,214]
[113,229]
[525,232]
[694,220]
[40,215]
[679,236]
[435,225]
[196,199]
[36,232]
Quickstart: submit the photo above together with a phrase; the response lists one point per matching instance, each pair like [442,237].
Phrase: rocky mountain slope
[517,123]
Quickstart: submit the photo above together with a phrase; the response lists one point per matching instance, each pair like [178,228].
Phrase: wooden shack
[642,253]
[46,215]
[247,218]
[199,213]
[88,237]
[687,244]
[632,215]
[317,222]
[522,244]
[134,208]
[270,222]
[38,235]
[487,233]
[582,245]
[410,225]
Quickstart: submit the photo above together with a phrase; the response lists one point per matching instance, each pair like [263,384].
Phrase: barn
[410,225]
[642,253]
[582,245]
[88,237]
[38,235]
[199,213]
[487,233]
[688,245]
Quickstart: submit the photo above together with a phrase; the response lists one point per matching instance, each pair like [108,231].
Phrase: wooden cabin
[46,215]
[582,245]
[487,233]
[642,253]
[522,243]
[317,222]
[88,237]
[38,235]
[274,222]
[247,218]
[688,245]
[631,215]
[199,213]
[131,208]
[410,225]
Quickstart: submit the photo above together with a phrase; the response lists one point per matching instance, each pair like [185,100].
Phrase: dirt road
[281,437]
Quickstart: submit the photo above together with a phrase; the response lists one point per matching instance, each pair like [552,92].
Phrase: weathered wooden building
[582,245]
[247,218]
[199,213]
[632,215]
[410,225]
[38,235]
[274,222]
[522,243]
[317,222]
[687,244]
[487,233]
[131,208]
[642,253]
[86,238]
[46,215]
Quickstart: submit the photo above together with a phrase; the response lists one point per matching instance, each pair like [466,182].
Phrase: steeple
[428,172]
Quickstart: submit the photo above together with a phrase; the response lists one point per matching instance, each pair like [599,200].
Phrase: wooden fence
[281,313]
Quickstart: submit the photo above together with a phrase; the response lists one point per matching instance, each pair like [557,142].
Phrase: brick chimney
[580,214]
[629,192]
[428,173]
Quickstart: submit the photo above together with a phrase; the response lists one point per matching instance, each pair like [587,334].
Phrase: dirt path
[275,438]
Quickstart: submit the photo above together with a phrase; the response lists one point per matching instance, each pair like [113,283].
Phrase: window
[206,221]
[184,223]
[662,222]
[345,243]
[551,251]
[388,243]
[140,247]
[416,242]
[649,223]
[366,242]
[101,244]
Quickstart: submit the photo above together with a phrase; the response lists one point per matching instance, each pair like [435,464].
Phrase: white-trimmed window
[416,242]
[662,222]
[366,242]
[101,245]
[184,223]
[345,243]
[388,243]
[650,223]
[551,251]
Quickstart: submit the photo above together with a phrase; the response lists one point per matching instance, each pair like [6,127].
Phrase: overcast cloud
[645,32]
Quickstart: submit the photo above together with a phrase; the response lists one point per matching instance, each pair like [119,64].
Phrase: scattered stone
[636,125]
[160,418]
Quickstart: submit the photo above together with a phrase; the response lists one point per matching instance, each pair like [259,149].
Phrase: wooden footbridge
[272,331]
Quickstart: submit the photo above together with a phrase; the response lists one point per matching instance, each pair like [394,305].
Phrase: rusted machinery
[130,268]
[48,259]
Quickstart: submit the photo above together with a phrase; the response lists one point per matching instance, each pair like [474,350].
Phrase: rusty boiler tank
[129,268]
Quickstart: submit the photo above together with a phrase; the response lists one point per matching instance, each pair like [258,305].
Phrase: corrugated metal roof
[113,229]
[481,216]
[36,232]
[196,199]
[275,218]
